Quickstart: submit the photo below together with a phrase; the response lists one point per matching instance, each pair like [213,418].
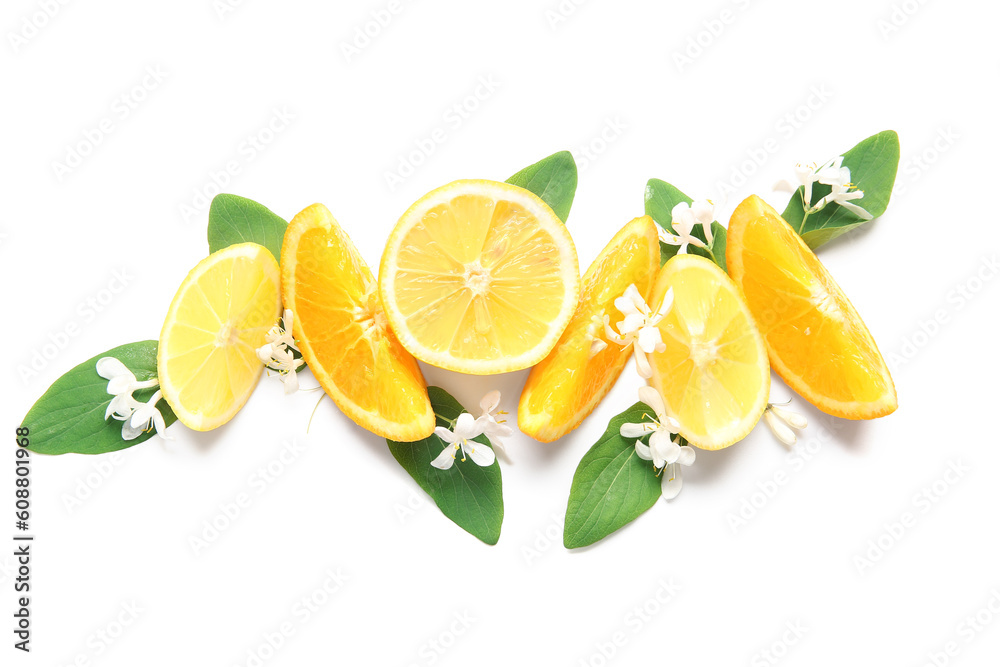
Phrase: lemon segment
[713,375]
[206,361]
[479,277]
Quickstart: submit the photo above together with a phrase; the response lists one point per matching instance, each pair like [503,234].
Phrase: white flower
[467,427]
[276,353]
[805,174]
[121,383]
[145,417]
[782,421]
[663,450]
[683,218]
[491,428]
[834,174]
[639,326]
[842,193]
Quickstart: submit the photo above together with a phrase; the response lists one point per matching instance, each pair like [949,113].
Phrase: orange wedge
[568,384]
[343,333]
[816,340]
[713,375]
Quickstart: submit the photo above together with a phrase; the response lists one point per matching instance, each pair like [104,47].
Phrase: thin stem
[802,225]
[806,207]
[309,425]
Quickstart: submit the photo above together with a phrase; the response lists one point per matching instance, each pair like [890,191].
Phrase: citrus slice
[343,334]
[817,341]
[713,374]
[568,384]
[479,277]
[206,361]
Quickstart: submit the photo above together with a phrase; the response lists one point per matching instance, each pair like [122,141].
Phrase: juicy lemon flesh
[568,384]
[817,340]
[714,375]
[479,284]
[344,335]
[220,316]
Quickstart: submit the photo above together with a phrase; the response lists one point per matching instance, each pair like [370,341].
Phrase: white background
[606,83]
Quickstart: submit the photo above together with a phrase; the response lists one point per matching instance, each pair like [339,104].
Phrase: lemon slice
[479,277]
[714,375]
[343,333]
[207,362]
[568,384]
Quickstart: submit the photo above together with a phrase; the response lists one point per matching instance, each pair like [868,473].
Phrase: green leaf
[468,494]
[661,197]
[233,220]
[873,164]
[553,179]
[69,417]
[612,485]
[719,245]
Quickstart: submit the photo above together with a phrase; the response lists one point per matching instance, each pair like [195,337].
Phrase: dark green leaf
[612,485]
[553,179]
[873,164]
[233,220]
[661,198]
[468,494]
[69,417]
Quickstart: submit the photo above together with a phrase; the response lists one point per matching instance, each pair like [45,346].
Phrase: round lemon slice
[206,361]
[479,277]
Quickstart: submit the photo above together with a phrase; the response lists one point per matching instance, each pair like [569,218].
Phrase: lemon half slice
[206,361]
[714,375]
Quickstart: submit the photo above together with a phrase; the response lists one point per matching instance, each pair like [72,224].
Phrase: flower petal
[597,346]
[635,430]
[109,368]
[482,455]
[642,451]
[779,428]
[445,434]
[671,483]
[467,427]
[652,398]
[666,304]
[703,211]
[649,339]
[642,366]
[490,402]
[130,432]
[493,429]
[664,449]
[793,419]
[686,456]
[291,381]
[160,425]
[445,459]
[264,353]
[857,210]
